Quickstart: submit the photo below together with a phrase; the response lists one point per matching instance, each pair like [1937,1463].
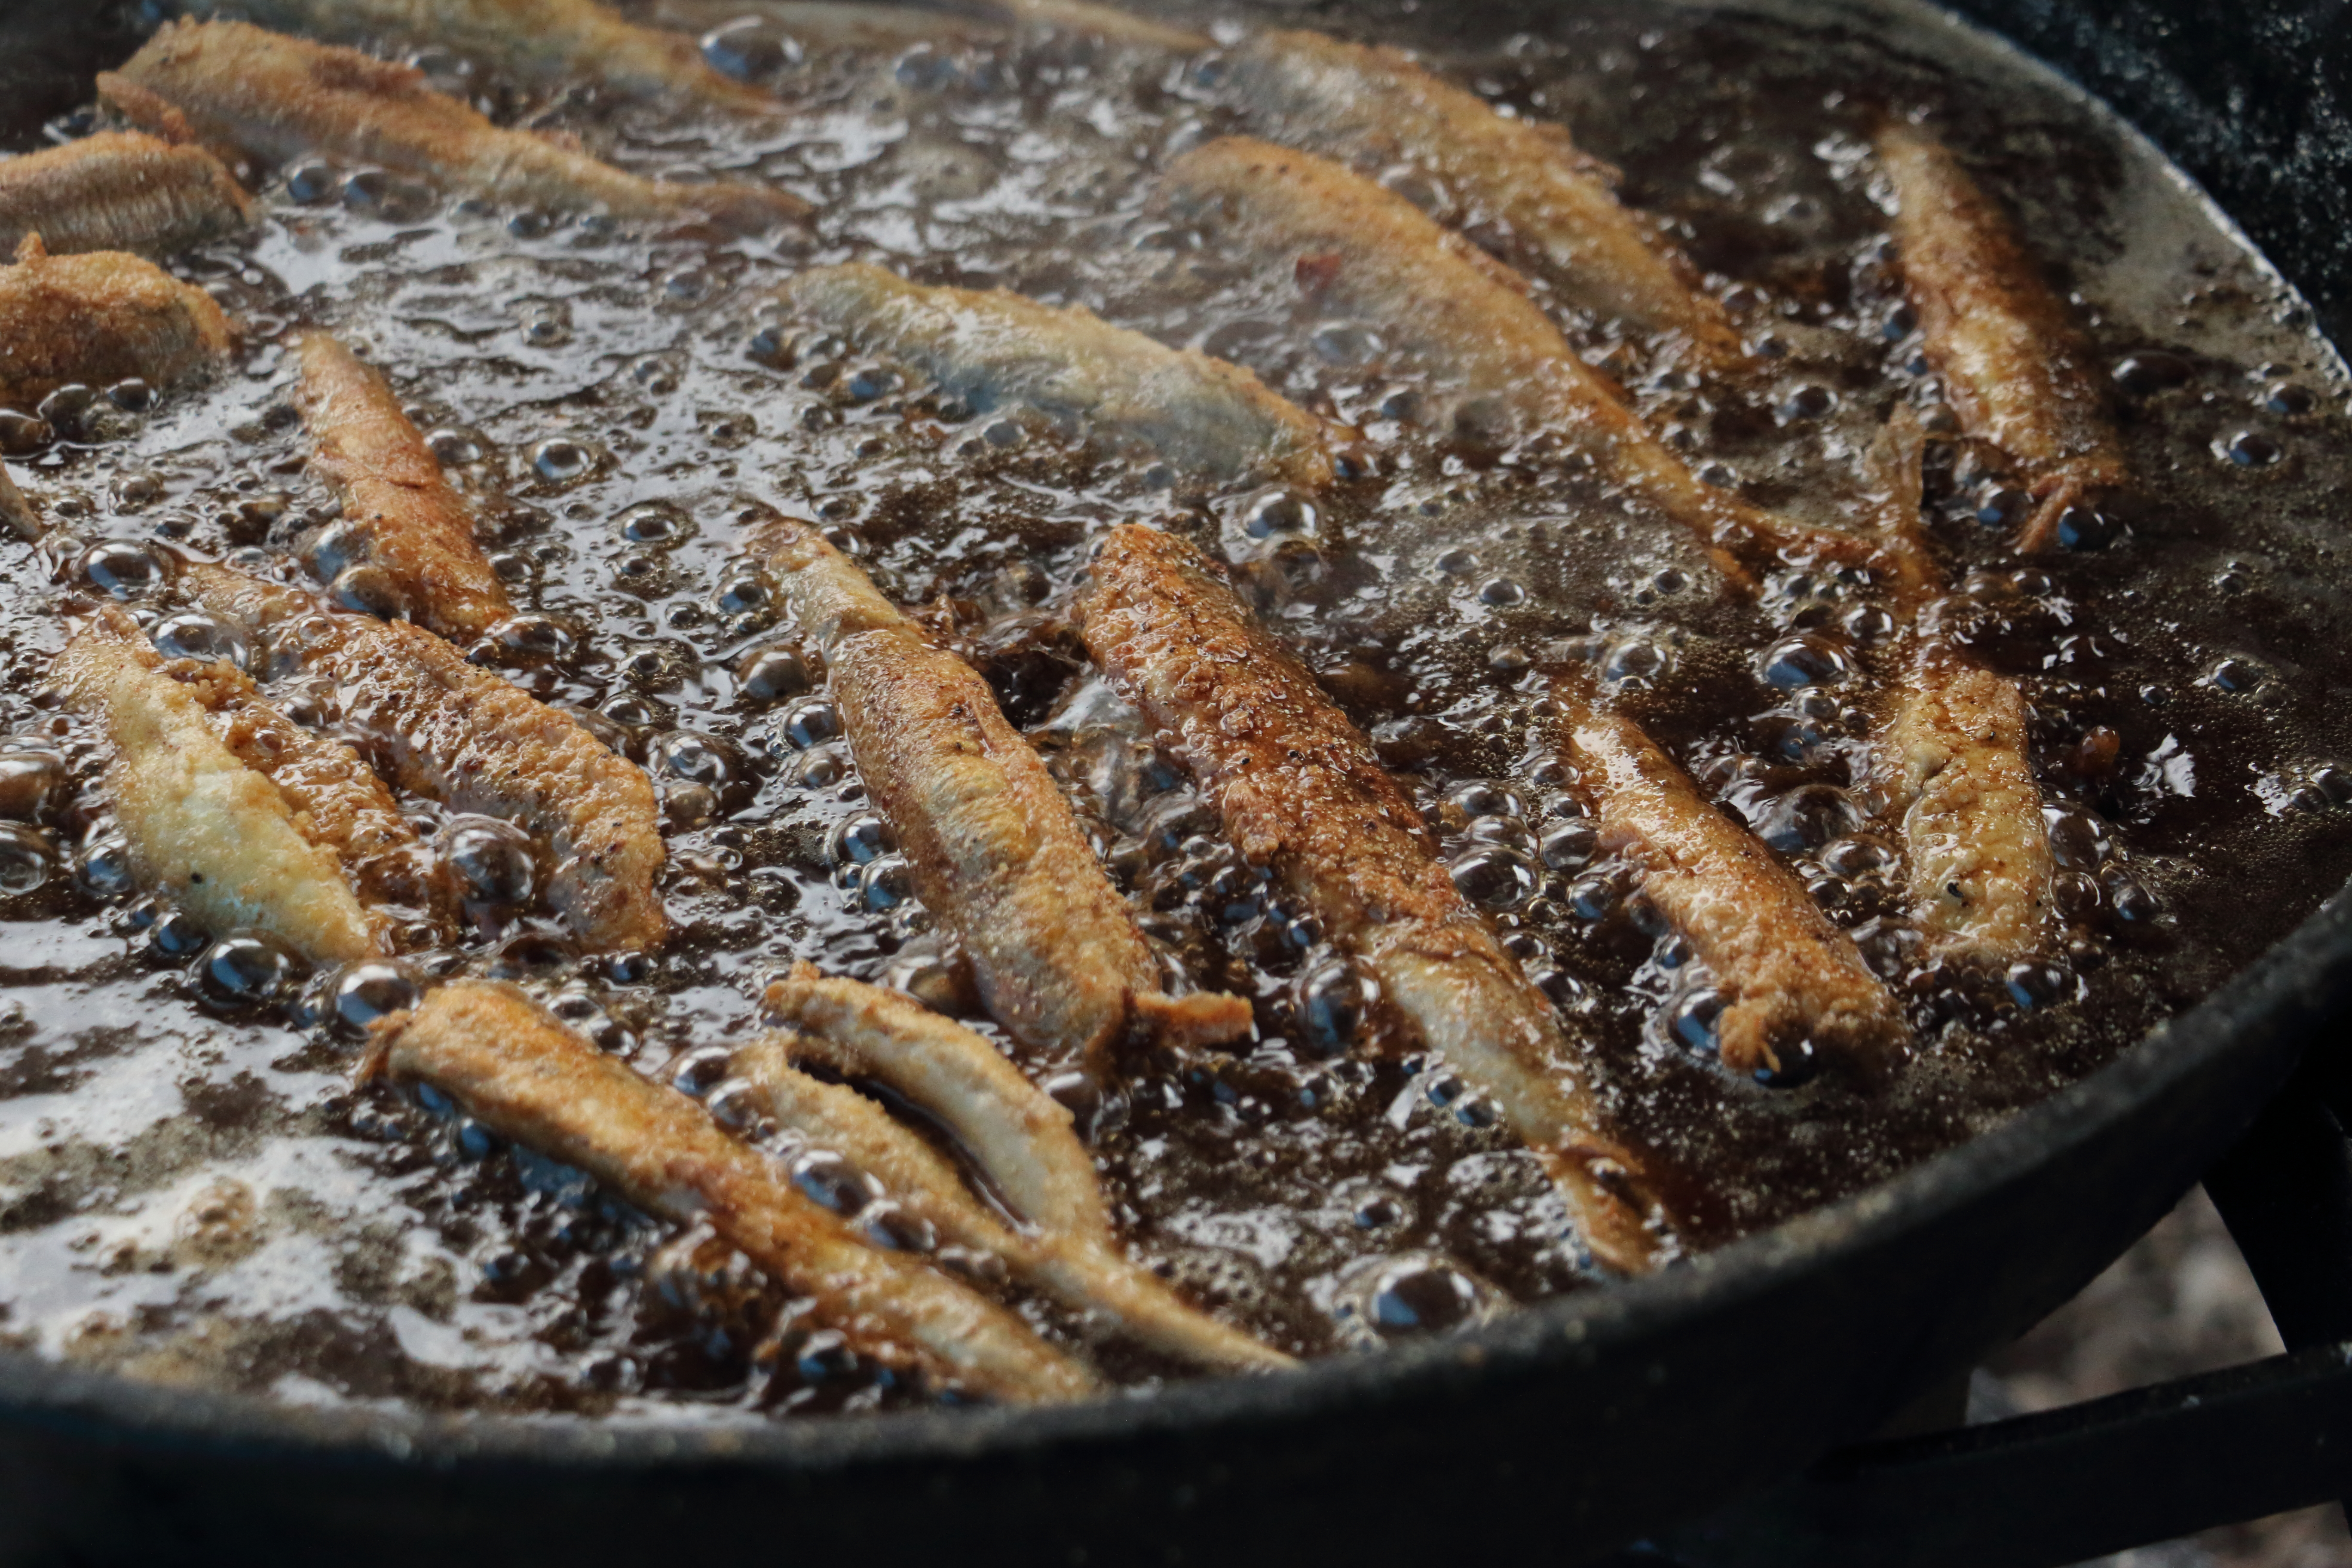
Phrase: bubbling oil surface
[191,1190]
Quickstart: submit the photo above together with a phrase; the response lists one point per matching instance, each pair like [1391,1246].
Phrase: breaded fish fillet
[119,190]
[542,44]
[994,347]
[996,853]
[1301,793]
[1796,984]
[99,317]
[211,831]
[1020,1136]
[2014,363]
[273,97]
[535,1082]
[1368,253]
[1979,849]
[400,516]
[1363,105]
[458,734]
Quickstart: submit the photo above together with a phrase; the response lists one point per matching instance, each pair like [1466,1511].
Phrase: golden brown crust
[544,43]
[996,853]
[1018,1134]
[1370,254]
[1792,974]
[1368,105]
[2014,363]
[275,98]
[119,190]
[533,1081]
[400,515]
[227,842]
[1980,864]
[994,347]
[18,512]
[99,317]
[459,734]
[1302,794]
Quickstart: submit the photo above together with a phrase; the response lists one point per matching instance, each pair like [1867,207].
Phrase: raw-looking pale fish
[119,190]
[1370,106]
[458,733]
[99,317]
[1363,252]
[1976,845]
[16,509]
[2015,364]
[272,98]
[208,829]
[995,348]
[1799,994]
[1302,794]
[1021,1138]
[543,44]
[523,1074]
[404,544]
[1973,833]
[995,852]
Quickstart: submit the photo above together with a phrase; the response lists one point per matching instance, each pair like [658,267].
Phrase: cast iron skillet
[1571,1427]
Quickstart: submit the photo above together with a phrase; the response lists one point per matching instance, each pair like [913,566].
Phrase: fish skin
[523,1073]
[1302,794]
[996,851]
[270,98]
[458,733]
[1363,105]
[1792,974]
[1374,256]
[100,317]
[119,190]
[400,516]
[1020,1136]
[994,347]
[2015,364]
[543,44]
[217,835]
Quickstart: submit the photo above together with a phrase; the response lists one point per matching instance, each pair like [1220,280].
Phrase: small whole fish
[519,1071]
[542,44]
[119,190]
[995,348]
[98,317]
[1369,106]
[1302,794]
[2015,364]
[407,535]
[271,98]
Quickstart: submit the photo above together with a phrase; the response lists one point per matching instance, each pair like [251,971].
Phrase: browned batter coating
[1979,848]
[119,190]
[99,317]
[1798,985]
[1369,106]
[230,844]
[543,43]
[1301,792]
[459,734]
[401,523]
[1019,1136]
[18,512]
[2014,363]
[996,853]
[994,347]
[1368,253]
[535,1082]
[273,97]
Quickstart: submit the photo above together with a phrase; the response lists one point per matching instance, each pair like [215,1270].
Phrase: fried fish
[119,190]
[99,317]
